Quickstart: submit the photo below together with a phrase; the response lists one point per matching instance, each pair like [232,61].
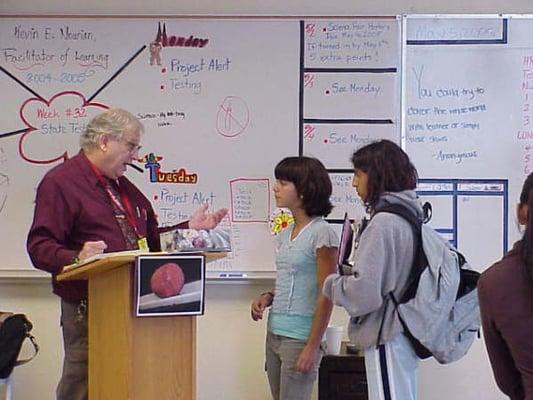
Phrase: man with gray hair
[84,207]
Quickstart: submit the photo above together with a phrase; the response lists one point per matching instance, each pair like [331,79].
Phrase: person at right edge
[381,259]
[505,293]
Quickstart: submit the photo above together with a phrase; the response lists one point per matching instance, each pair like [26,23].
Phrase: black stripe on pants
[384,372]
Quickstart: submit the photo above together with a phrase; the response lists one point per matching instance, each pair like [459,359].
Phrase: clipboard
[345,244]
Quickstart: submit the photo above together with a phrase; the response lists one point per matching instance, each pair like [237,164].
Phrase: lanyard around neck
[124,205]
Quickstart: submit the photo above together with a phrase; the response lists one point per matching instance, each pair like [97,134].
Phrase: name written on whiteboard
[27,57]
[64,33]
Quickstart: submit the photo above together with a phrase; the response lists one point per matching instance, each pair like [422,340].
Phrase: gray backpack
[439,309]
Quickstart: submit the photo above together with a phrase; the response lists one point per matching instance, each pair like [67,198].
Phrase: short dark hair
[388,168]
[311,180]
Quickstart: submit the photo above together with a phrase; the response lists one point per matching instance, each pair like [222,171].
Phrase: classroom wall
[230,348]
[273,7]
[230,345]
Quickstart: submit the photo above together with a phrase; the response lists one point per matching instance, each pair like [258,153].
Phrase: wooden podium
[130,358]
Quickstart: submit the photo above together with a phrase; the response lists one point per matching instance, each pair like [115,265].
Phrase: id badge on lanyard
[142,243]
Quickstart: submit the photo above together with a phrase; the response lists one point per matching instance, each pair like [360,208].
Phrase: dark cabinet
[342,377]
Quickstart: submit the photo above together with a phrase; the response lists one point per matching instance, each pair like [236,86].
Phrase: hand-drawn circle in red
[33,130]
[233,116]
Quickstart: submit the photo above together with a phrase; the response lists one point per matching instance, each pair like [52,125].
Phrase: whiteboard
[351,97]
[222,101]
[468,90]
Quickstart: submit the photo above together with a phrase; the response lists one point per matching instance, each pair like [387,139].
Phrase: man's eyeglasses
[132,146]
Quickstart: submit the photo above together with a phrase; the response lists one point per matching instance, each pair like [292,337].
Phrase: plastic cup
[333,339]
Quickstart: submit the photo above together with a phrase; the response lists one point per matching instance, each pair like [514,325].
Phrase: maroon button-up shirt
[71,208]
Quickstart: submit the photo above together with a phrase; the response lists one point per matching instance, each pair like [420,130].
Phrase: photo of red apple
[167,280]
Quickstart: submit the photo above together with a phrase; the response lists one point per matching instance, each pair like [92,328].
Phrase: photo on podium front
[171,284]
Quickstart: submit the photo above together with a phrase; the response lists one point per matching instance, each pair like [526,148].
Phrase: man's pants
[73,383]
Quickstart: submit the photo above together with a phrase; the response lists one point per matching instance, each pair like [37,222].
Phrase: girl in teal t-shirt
[306,253]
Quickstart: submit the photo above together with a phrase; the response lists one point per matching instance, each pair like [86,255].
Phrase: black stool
[342,377]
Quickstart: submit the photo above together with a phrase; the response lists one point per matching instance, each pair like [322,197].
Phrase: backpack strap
[403,212]
[420,261]
[35,351]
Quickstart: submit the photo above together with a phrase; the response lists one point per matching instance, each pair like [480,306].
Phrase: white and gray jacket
[381,265]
